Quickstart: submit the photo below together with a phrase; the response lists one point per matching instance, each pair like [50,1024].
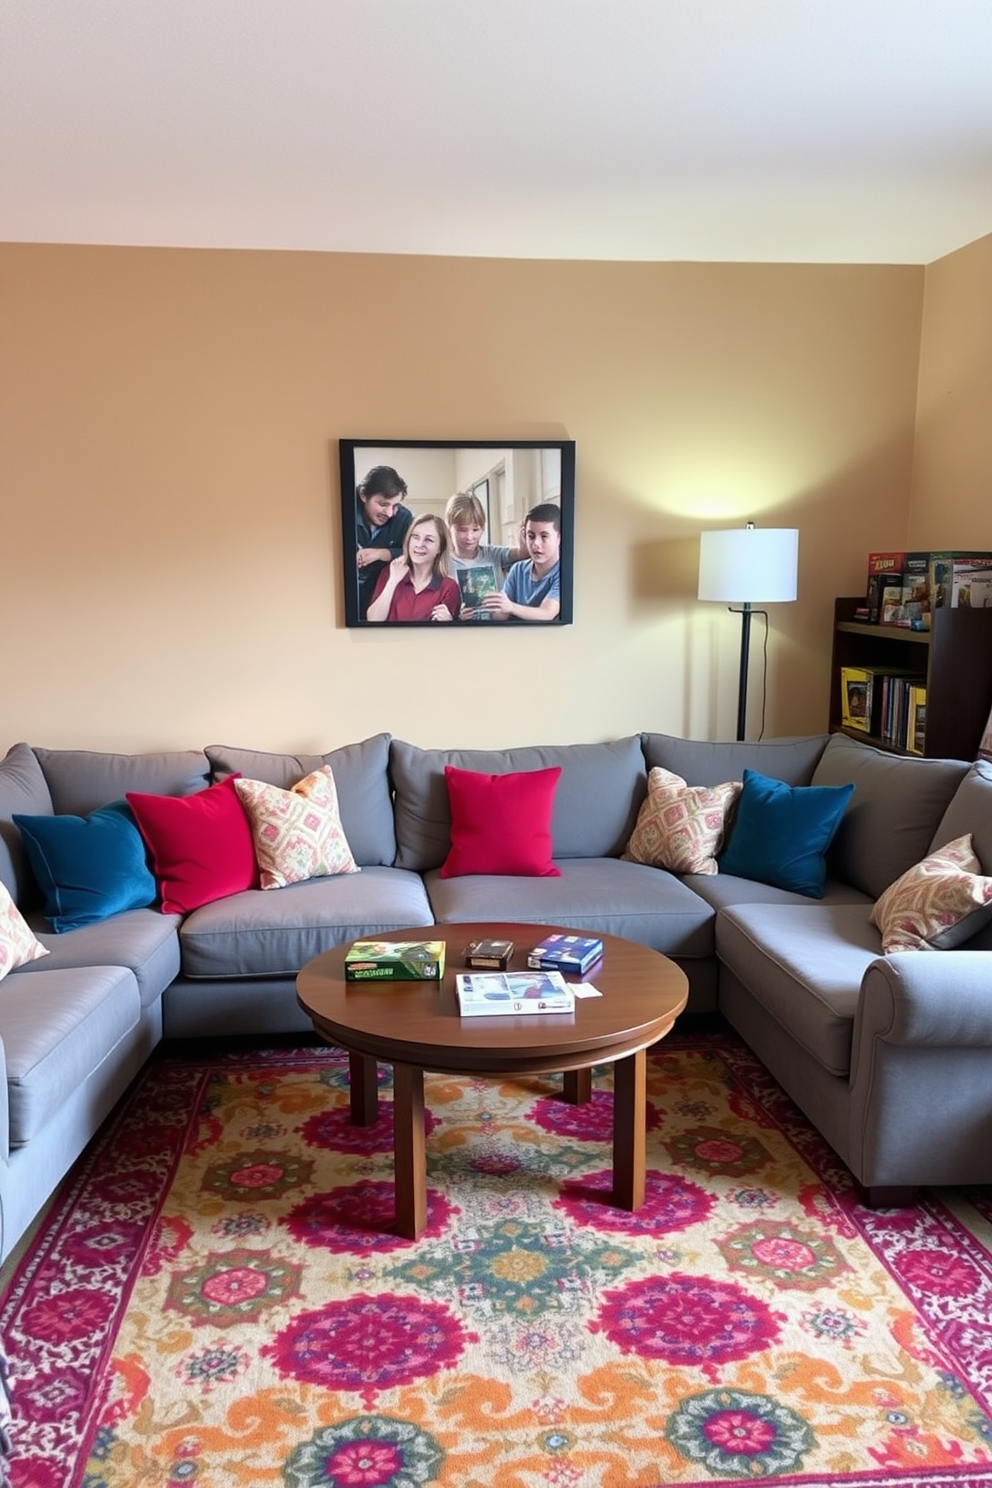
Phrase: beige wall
[952,475]
[168,467]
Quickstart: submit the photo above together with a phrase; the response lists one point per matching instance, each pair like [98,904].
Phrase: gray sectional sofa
[889,1056]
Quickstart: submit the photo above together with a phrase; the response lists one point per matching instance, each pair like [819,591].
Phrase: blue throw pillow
[781,832]
[88,868]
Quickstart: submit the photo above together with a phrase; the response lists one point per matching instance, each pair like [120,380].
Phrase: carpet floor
[216,1299]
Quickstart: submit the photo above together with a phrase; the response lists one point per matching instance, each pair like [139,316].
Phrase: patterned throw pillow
[936,905]
[681,827]
[298,832]
[18,944]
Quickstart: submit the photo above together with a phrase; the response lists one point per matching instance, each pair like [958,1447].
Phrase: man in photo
[381,522]
[533,586]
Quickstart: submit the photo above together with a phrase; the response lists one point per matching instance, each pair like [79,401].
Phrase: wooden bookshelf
[955,657]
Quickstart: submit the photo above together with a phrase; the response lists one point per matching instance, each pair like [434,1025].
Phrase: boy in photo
[533,586]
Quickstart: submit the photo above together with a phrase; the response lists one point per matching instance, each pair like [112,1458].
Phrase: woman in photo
[416,585]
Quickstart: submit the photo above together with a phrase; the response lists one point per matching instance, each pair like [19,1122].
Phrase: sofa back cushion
[970,810]
[361,776]
[22,789]
[81,780]
[700,762]
[891,819]
[597,799]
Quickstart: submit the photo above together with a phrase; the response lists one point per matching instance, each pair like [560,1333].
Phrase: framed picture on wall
[457,532]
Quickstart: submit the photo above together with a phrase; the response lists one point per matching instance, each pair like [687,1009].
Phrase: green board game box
[395,961]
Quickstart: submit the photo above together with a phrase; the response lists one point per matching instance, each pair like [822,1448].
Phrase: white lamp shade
[749,565]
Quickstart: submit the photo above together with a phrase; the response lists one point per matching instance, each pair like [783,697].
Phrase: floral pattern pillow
[681,827]
[18,944]
[937,904]
[298,832]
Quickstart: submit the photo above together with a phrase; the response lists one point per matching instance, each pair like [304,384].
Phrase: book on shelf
[875,701]
[475,583]
[917,722]
[489,953]
[960,580]
[894,719]
[916,605]
[985,747]
[501,993]
[855,698]
[394,961]
[574,953]
[884,572]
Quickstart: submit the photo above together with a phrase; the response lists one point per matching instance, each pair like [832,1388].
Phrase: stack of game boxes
[905,588]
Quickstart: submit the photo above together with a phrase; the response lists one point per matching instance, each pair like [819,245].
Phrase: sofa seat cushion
[597,798]
[804,965]
[594,895]
[142,940]
[726,890]
[58,1027]
[276,932]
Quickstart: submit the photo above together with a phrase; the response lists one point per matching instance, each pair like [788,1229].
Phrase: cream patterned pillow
[297,833]
[681,827]
[937,904]
[18,944]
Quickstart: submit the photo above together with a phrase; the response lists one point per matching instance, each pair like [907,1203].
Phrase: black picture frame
[510,477]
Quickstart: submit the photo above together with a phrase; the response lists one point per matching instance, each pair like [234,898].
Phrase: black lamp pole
[742,685]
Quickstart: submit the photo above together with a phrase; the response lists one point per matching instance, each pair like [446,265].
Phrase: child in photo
[533,586]
[479,568]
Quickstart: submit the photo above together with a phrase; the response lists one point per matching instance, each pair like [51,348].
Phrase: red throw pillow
[501,823]
[201,846]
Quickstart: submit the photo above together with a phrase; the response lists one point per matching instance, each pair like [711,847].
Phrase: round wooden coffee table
[416,1026]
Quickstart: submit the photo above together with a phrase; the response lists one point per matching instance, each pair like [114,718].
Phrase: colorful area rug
[216,1298]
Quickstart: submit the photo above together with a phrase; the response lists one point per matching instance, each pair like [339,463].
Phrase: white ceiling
[779,130]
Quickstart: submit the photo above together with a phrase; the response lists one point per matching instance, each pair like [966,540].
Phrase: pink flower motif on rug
[369,1344]
[257,1175]
[670,1203]
[76,1313]
[591,1122]
[233,1287]
[366,1452]
[335,1131]
[686,1320]
[711,1149]
[787,1254]
[360,1218]
[739,1435]
[937,1271]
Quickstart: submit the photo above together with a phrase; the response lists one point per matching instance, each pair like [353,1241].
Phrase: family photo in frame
[440,532]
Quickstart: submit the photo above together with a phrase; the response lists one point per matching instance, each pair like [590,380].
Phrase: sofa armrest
[942,999]
[921,1071]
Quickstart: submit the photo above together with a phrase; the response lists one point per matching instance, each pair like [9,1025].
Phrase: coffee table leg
[409,1159]
[629,1130]
[577,1086]
[363,1081]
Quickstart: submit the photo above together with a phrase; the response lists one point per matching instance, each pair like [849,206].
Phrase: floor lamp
[743,567]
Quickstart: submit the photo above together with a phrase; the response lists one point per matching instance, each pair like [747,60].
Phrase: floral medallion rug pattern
[216,1298]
